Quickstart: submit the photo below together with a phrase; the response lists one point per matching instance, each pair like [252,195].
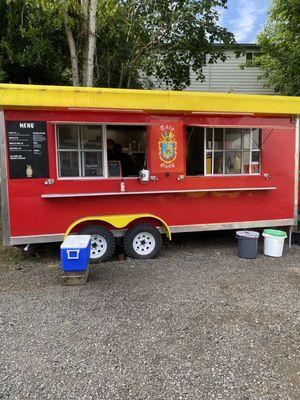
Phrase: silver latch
[267,176]
[49,182]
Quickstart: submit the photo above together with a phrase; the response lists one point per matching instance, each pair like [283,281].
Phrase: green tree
[280,45]
[158,39]
[82,41]
[32,44]
[114,43]
[2,75]
[124,39]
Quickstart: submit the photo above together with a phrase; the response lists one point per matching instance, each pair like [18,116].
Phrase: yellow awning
[37,96]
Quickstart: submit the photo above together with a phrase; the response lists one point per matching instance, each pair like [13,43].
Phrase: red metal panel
[237,120]
[30,214]
[78,116]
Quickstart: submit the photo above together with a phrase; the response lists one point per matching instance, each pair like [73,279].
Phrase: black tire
[104,236]
[133,244]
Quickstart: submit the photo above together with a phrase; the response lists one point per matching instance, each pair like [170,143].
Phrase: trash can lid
[247,234]
[76,241]
[275,232]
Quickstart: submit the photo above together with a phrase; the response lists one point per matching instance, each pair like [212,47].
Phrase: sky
[245,18]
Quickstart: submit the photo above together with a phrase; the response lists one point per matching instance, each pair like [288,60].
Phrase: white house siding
[228,77]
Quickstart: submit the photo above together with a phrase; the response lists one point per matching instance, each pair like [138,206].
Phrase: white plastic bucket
[273,245]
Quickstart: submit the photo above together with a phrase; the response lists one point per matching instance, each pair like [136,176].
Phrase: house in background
[228,76]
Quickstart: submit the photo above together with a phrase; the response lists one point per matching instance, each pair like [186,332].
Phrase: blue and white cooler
[75,253]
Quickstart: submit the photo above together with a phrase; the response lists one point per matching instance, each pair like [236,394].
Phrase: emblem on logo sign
[29,171]
[167,146]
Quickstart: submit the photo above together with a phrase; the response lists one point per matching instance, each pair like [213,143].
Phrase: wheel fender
[119,221]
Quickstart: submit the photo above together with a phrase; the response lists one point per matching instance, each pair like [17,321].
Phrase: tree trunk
[91,43]
[72,47]
[85,34]
[128,80]
[121,77]
[108,72]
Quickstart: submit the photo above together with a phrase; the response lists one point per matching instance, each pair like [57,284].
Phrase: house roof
[34,96]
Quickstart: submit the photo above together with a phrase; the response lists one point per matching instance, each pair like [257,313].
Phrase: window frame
[104,149]
[254,54]
[81,150]
[224,150]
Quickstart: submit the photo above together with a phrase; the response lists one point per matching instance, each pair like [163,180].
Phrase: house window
[231,151]
[251,56]
[80,150]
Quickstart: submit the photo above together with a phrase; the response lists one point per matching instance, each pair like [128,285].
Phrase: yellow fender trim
[119,221]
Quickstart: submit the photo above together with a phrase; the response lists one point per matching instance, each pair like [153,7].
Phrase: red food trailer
[138,164]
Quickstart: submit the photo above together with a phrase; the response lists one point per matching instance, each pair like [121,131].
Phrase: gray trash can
[247,243]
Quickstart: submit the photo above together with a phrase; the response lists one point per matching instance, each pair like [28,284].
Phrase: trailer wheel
[103,243]
[142,241]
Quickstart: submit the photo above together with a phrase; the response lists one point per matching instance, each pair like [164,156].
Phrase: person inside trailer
[110,147]
[127,165]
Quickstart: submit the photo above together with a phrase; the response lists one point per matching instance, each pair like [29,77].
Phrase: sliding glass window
[232,151]
[80,150]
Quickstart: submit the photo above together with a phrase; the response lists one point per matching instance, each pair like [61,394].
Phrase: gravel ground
[195,323]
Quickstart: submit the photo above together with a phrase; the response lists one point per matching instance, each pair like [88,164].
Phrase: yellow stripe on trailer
[37,96]
[118,221]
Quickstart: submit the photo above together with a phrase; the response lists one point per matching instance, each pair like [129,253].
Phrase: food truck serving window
[126,144]
[223,151]
[100,151]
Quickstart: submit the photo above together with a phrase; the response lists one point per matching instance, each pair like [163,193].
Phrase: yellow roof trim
[37,96]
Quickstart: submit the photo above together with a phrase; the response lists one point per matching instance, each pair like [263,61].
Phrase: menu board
[114,169]
[27,149]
